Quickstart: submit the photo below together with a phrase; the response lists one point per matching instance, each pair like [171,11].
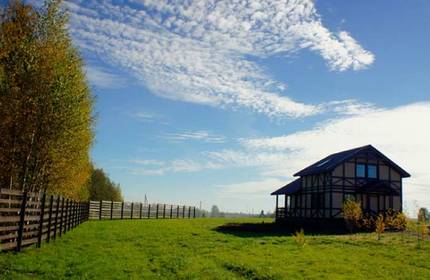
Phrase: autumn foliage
[45,103]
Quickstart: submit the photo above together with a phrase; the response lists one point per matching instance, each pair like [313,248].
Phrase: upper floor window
[371,171]
[366,171]
[360,170]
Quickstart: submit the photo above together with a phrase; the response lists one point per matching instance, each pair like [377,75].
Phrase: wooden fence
[109,210]
[28,218]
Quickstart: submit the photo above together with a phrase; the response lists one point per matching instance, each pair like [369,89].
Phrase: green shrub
[300,238]
[352,214]
[423,214]
[379,225]
[368,223]
[400,221]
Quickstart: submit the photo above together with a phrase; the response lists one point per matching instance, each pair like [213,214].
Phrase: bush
[300,238]
[379,225]
[418,229]
[389,218]
[399,222]
[368,223]
[423,214]
[352,214]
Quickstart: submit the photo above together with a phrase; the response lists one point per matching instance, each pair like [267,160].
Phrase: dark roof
[290,188]
[330,162]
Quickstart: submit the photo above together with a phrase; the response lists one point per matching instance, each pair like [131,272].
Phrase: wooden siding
[342,183]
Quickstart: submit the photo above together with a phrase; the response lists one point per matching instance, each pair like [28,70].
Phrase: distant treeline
[100,187]
[216,213]
[46,107]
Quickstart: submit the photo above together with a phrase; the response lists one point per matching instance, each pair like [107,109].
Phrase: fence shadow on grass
[277,229]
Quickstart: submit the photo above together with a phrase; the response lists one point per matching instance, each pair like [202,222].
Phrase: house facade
[363,174]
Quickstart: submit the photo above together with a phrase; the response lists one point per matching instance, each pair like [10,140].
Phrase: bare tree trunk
[26,163]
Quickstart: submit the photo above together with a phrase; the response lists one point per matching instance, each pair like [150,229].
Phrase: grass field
[195,249]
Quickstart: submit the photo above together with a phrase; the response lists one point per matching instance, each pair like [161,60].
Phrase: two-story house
[363,174]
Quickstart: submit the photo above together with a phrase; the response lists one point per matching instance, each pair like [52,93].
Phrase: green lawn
[194,249]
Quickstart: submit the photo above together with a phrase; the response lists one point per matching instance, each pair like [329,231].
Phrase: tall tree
[45,103]
[215,211]
[102,188]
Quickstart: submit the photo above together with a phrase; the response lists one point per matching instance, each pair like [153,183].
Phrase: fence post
[194,212]
[189,212]
[111,210]
[62,214]
[57,209]
[72,214]
[69,205]
[183,212]
[122,210]
[177,212]
[131,211]
[88,210]
[78,213]
[171,211]
[100,209]
[156,213]
[75,214]
[42,213]
[149,211]
[50,218]
[140,211]
[21,221]
[164,211]
[66,215]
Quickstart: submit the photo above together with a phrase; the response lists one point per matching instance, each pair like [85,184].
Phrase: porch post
[276,209]
[285,205]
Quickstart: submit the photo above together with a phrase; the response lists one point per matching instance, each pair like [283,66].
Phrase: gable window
[371,171]
[366,171]
[360,170]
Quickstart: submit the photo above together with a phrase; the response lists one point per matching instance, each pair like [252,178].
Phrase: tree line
[46,106]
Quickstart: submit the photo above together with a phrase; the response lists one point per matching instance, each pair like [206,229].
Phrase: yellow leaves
[44,94]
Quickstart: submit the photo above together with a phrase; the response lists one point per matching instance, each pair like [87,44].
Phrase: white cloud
[196,51]
[147,172]
[400,133]
[251,188]
[147,161]
[157,168]
[103,79]
[200,135]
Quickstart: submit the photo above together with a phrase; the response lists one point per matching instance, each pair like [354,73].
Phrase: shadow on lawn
[277,229]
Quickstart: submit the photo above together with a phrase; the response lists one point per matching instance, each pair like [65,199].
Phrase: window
[366,171]
[371,171]
[360,170]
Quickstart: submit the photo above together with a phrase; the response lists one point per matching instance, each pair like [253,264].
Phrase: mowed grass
[194,249]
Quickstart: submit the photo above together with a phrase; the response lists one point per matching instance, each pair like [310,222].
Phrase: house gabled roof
[290,188]
[330,162]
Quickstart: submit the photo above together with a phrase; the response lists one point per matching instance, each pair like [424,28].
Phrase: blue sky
[221,102]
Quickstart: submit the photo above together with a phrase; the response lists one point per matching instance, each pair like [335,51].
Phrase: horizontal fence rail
[28,218]
[110,210]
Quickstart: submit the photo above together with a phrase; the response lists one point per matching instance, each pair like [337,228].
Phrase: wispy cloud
[196,51]
[147,161]
[171,166]
[251,188]
[103,79]
[401,133]
[201,135]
